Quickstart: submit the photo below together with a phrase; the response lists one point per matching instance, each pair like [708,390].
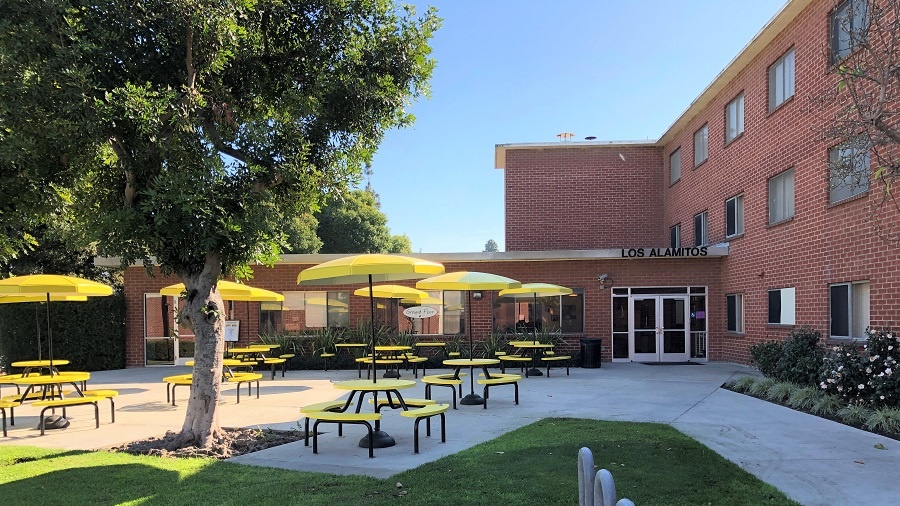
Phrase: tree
[353,223]
[300,234]
[491,245]
[196,128]
[861,111]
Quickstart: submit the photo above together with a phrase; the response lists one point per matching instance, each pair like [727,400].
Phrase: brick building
[727,231]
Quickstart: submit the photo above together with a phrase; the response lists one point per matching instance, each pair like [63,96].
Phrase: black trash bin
[590,352]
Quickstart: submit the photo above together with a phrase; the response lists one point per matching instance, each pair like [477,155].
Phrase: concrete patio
[814,461]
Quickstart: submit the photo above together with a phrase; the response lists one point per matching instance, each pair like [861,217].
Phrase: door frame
[659,355]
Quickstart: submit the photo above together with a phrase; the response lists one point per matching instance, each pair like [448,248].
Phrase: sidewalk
[814,461]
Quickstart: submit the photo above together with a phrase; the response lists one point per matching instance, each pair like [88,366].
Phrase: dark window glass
[840,303]
[675,236]
[849,24]
[620,314]
[731,313]
[658,290]
[774,306]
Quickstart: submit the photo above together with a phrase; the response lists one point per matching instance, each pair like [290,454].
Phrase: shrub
[827,405]
[843,373]
[779,392]
[884,420]
[867,377]
[804,398]
[761,386]
[765,357]
[742,384]
[855,414]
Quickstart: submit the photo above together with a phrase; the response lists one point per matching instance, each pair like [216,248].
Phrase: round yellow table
[51,382]
[28,365]
[536,351]
[380,439]
[472,399]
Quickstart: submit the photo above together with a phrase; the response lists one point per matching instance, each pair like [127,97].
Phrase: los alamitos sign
[420,312]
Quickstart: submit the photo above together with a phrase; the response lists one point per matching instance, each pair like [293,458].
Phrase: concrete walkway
[814,461]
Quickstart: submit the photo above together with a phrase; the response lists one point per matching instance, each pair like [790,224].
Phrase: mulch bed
[233,443]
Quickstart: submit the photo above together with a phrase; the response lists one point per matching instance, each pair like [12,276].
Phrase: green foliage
[804,398]
[324,340]
[797,360]
[867,376]
[884,420]
[491,245]
[743,383]
[761,386]
[492,343]
[779,392]
[300,234]
[405,339]
[353,223]
[90,334]
[854,414]
[827,405]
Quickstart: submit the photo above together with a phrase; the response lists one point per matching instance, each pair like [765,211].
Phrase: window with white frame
[848,169]
[701,236]
[734,118]
[781,80]
[781,197]
[735,313]
[675,166]
[849,26]
[781,306]
[734,216]
[849,309]
[701,145]
[675,236]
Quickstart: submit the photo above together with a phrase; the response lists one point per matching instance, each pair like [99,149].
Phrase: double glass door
[659,328]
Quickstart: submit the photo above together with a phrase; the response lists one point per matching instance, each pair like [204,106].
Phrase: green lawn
[536,465]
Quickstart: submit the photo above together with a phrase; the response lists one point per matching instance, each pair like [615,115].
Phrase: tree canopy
[353,223]
[189,132]
[491,245]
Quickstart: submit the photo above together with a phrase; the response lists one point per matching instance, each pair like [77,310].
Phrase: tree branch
[130,187]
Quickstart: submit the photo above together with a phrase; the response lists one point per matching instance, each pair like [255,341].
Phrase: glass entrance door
[659,329]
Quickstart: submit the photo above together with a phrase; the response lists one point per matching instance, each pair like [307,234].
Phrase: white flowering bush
[868,376]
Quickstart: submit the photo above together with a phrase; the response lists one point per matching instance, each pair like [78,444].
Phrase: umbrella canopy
[468,281]
[533,291]
[230,290]
[423,301]
[51,286]
[371,267]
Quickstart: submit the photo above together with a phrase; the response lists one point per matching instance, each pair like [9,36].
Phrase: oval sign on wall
[420,312]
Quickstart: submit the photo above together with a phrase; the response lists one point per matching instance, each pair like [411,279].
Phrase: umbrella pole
[471,346]
[49,335]
[37,325]
[372,313]
[534,318]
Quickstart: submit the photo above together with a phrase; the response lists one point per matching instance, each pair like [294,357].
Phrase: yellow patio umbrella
[369,268]
[229,290]
[533,291]
[50,286]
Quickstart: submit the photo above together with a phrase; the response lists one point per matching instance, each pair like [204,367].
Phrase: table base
[472,400]
[391,373]
[535,372]
[380,439]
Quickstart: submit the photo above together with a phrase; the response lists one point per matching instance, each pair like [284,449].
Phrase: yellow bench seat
[500,379]
[10,405]
[342,418]
[425,413]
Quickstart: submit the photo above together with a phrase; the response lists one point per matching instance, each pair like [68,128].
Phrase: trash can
[590,352]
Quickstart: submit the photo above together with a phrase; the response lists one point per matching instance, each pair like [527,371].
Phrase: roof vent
[591,138]
[565,136]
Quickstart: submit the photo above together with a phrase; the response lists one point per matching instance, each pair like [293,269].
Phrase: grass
[652,464]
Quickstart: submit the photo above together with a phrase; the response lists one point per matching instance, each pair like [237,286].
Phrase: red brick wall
[823,243]
[572,273]
[583,198]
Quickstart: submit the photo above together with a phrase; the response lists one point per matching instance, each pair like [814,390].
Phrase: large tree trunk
[204,312]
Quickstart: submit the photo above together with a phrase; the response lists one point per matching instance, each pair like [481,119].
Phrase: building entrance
[659,329]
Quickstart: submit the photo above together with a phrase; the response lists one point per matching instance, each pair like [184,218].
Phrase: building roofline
[501,149]
[788,13]
[720,250]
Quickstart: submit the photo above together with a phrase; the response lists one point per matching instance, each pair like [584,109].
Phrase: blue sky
[523,71]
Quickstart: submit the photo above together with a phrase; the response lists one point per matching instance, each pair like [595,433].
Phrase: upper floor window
[701,238]
[849,25]
[849,309]
[781,80]
[734,118]
[734,216]
[675,236]
[675,166]
[781,197]
[701,145]
[848,169]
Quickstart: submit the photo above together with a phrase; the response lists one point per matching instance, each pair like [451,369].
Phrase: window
[734,118]
[781,80]
[849,309]
[701,145]
[848,167]
[735,313]
[849,24]
[781,197]
[675,236]
[454,313]
[781,306]
[554,314]
[700,235]
[734,216]
[675,166]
